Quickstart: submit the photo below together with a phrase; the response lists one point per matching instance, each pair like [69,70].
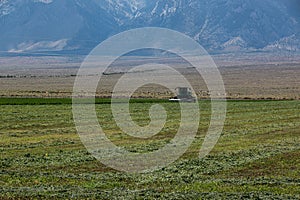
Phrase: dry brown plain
[255,76]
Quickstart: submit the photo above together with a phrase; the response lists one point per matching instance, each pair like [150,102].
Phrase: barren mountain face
[218,25]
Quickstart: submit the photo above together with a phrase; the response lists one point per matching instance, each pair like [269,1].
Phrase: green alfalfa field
[256,157]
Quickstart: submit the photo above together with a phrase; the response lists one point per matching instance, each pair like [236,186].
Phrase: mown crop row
[256,157]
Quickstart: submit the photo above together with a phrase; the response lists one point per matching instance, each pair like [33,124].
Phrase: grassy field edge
[66,101]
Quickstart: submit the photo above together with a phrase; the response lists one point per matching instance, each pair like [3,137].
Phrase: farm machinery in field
[184,94]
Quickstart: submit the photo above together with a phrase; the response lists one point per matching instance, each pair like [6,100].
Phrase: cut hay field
[257,156]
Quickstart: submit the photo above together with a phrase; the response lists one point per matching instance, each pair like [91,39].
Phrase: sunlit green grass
[257,155]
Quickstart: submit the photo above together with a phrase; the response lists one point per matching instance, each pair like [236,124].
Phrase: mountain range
[218,25]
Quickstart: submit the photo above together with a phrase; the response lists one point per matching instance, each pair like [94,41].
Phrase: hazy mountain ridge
[218,25]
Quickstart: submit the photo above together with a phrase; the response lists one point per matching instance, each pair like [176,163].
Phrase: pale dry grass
[256,76]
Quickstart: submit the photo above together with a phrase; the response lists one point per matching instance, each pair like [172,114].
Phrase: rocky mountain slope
[218,25]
